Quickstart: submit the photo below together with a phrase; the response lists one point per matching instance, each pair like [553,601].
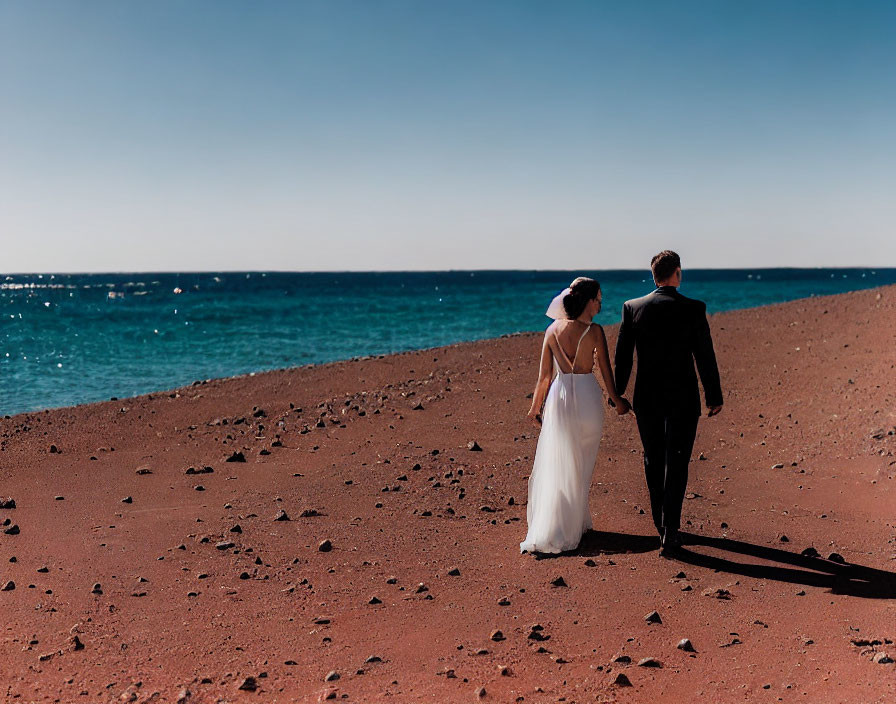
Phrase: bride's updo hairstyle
[581,291]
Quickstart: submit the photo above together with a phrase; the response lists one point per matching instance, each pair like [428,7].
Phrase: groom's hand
[713,411]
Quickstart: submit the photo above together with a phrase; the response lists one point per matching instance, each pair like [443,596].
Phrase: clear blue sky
[213,134]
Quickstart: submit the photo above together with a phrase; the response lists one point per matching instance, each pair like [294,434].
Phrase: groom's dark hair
[664,264]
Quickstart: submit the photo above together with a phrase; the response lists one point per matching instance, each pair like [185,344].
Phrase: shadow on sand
[840,577]
[598,542]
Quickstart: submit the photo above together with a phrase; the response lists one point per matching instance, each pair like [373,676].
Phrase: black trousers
[668,439]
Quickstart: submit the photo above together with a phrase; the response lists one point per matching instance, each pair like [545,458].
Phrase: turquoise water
[75,338]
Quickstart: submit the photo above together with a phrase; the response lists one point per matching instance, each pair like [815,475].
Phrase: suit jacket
[670,332]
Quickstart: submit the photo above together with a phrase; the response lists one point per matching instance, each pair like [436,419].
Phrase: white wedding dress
[572,423]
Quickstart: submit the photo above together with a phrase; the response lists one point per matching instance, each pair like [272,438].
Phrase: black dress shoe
[671,542]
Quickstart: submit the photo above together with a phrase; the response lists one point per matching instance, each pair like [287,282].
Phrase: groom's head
[666,268]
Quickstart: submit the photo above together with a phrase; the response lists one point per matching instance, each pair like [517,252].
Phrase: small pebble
[686,645]
[653,617]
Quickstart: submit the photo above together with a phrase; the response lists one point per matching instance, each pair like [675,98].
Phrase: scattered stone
[199,487]
[681,575]
[392,580]
[473,446]
[784,539]
[76,643]
[236,528]
[559,582]
[373,658]
[54,450]
[503,601]
[8,502]
[97,589]
[622,681]
[144,470]
[13,529]
[653,617]
[837,557]
[536,634]
[236,457]
[8,586]
[249,684]
[882,659]
[454,572]
[281,516]
[590,563]
[245,575]
[325,546]
[224,545]
[308,513]
[504,671]
[497,636]
[421,588]
[622,660]
[375,600]
[203,470]
[778,466]
[43,570]
[686,645]
[649,662]
[810,552]
[480,692]
[331,676]
[127,500]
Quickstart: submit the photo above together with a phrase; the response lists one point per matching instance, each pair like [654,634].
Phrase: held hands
[622,406]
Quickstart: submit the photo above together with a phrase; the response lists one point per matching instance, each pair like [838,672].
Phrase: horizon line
[426,271]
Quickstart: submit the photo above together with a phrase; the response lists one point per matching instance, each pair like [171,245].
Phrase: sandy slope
[809,387]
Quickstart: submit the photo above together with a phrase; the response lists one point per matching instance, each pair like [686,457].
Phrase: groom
[670,333]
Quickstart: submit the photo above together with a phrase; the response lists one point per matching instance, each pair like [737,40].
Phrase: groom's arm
[705,357]
[625,350]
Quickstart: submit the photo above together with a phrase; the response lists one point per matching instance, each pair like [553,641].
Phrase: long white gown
[559,484]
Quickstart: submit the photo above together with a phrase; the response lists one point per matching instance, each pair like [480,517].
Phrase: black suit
[669,332]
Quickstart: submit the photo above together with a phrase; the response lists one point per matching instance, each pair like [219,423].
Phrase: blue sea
[74,338]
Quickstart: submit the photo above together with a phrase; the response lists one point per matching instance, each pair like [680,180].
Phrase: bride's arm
[603,361]
[545,373]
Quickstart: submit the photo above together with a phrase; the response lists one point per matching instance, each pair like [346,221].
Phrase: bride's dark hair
[581,291]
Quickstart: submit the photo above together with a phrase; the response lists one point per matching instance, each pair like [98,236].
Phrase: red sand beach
[397,576]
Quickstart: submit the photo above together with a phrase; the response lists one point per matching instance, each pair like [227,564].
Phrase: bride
[573,416]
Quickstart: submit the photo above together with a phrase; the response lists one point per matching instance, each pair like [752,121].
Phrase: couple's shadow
[840,577]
